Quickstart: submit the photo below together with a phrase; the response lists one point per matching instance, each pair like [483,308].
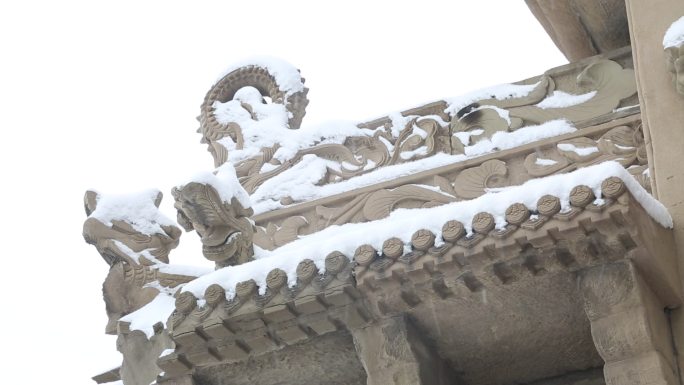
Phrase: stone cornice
[532,244]
[220,330]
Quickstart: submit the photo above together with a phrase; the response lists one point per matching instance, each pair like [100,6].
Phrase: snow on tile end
[674,36]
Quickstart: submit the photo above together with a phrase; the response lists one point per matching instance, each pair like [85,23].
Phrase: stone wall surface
[663,117]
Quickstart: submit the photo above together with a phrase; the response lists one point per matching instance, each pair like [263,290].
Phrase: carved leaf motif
[444,185]
[381,203]
[204,209]
[343,214]
[485,119]
[413,141]
[641,174]
[579,149]
[611,82]
[289,230]
[263,237]
[371,149]
[542,164]
[335,152]
[471,183]
[618,141]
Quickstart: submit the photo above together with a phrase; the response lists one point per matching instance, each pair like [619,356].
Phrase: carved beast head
[115,241]
[224,228]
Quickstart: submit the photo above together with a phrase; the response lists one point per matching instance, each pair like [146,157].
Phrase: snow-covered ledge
[673,43]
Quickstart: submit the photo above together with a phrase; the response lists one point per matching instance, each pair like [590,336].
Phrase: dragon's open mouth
[224,250]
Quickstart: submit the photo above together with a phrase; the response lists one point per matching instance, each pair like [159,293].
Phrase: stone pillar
[662,110]
[629,326]
[393,352]
[140,356]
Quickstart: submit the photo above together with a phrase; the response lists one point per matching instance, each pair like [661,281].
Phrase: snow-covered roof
[402,224]
[278,165]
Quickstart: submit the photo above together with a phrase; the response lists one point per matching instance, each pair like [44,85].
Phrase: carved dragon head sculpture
[116,240]
[130,251]
[249,76]
[224,228]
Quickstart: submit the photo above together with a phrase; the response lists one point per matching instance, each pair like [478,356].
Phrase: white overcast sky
[104,95]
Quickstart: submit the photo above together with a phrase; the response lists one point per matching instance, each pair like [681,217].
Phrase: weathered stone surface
[140,356]
[108,376]
[583,28]
[675,65]
[629,326]
[122,296]
[663,113]
[326,360]
[394,352]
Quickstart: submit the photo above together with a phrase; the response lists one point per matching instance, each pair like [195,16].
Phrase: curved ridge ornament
[259,78]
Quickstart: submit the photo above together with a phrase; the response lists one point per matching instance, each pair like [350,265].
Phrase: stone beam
[393,352]
[629,326]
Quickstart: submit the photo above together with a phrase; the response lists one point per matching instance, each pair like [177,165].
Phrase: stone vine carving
[470,183]
[411,138]
[608,79]
[675,64]
[418,134]
[623,144]
[224,228]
